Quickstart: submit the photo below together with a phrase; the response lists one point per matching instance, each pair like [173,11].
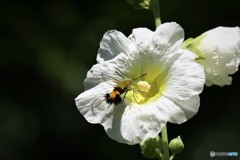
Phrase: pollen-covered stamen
[143,86]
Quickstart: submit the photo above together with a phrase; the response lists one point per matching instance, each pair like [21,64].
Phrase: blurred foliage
[46,48]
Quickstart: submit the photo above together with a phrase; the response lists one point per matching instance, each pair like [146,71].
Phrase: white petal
[189,106]
[221,47]
[112,44]
[141,122]
[107,70]
[115,131]
[185,78]
[217,79]
[170,110]
[132,126]
[141,37]
[167,38]
[100,73]
[93,107]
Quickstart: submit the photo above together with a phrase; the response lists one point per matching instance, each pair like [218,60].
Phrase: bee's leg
[134,96]
[125,95]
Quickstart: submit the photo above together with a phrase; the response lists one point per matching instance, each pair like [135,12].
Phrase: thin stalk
[165,143]
[155,7]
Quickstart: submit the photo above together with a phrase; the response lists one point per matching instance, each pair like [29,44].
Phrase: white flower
[220,52]
[168,90]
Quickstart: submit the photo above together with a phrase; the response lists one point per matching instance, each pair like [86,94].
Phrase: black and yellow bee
[121,87]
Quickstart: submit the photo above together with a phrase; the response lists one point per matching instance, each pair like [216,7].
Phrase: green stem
[155,7]
[173,155]
[165,143]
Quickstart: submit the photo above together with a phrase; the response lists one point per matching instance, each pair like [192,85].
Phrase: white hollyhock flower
[219,51]
[160,83]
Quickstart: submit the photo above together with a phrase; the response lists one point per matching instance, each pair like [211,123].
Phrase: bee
[121,87]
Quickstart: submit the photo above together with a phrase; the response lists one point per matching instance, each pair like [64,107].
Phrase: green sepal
[192,44]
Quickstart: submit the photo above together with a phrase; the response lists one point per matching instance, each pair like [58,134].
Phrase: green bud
[139,4]
[151,147]
[176,145]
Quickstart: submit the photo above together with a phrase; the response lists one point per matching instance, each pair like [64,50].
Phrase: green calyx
[152,5]
[192,44]
[176,145]
[151,148]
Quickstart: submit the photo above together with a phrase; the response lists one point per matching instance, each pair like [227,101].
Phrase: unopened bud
[139,4]
[176,145]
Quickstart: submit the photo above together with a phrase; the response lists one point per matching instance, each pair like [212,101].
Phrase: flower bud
[176,145]
[139,4]
[218,52]
[149,147]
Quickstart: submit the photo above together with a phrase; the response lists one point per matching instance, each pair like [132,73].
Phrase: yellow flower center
[150,89]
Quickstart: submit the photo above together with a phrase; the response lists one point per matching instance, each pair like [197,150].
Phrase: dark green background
[46,48]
